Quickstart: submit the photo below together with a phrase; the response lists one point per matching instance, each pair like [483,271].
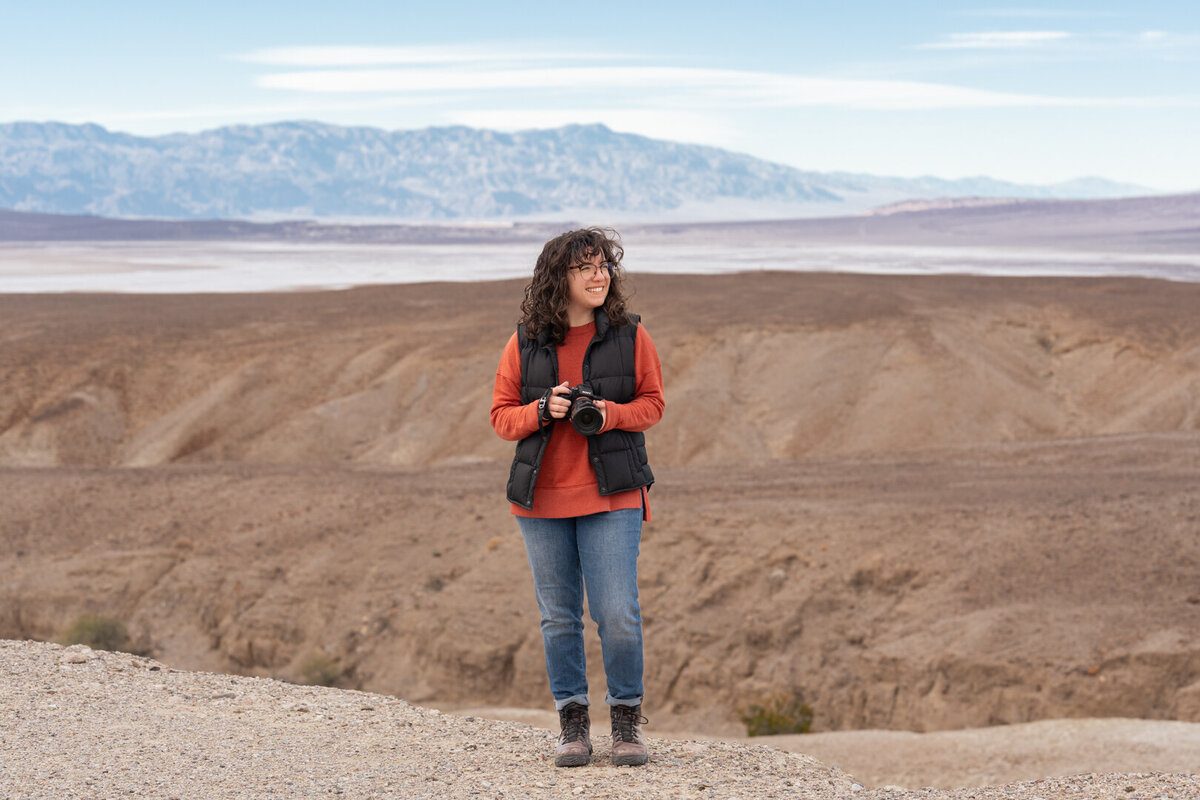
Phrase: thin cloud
[462,79]
[364,56]
[691,87]
[307,109]
[1005,40]
[1167,44]
[1166,40]
[1037,13]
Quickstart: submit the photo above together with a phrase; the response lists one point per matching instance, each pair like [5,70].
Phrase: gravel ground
[78,723]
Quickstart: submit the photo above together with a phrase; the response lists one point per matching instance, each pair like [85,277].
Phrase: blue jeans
[598,551]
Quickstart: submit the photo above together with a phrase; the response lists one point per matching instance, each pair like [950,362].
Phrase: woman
[580,498]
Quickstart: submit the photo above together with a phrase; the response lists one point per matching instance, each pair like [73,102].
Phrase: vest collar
[602,322]
[602,325]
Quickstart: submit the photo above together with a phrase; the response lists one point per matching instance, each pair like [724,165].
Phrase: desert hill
[920,503]
[758,366]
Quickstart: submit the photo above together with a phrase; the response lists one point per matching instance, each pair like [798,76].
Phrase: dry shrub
[777,714]
[320,669]
[97,632]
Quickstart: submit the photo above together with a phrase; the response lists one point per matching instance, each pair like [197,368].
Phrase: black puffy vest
[617,456]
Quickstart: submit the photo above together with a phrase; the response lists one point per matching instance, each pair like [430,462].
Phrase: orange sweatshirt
[566,483]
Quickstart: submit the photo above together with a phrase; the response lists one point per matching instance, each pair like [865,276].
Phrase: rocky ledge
[80,723]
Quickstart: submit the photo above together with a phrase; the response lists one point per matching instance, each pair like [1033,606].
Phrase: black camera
[584,415]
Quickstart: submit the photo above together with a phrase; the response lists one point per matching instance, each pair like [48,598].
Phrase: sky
[1027,93]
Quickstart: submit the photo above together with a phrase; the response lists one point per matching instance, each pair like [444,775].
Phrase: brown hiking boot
[628,744]
[574,741]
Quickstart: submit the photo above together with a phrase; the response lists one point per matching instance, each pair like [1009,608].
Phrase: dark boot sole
[630,761]
[572,760]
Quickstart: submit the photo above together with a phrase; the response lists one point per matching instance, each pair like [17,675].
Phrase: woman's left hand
[603,412]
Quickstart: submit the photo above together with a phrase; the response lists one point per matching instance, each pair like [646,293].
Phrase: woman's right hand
[558,405]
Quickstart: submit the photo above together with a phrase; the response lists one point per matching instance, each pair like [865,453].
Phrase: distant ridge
[314,170]
[943,204]
[1159,224]
[23,226]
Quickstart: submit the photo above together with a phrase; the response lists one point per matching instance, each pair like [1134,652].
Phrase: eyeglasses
[588,271]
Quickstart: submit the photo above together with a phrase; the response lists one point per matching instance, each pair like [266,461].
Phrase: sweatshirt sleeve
[511,419]
[646,407]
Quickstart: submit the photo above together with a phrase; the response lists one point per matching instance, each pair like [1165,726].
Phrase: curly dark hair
[547,295]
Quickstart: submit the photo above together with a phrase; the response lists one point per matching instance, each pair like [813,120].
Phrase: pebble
[77,654]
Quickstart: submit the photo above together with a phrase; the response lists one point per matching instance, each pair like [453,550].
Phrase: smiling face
[586,293]
[568,285]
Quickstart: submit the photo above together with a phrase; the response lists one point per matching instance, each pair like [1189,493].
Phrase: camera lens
[586,417]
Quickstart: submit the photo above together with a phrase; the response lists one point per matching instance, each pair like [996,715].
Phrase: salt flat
[237,266]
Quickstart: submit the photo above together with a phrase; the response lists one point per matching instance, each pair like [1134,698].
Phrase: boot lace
[574,720]
[624,719]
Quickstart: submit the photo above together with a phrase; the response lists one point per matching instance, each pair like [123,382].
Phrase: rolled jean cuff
[632,701]
[582,699]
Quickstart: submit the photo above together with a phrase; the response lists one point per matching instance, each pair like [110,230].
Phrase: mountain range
[305,169]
